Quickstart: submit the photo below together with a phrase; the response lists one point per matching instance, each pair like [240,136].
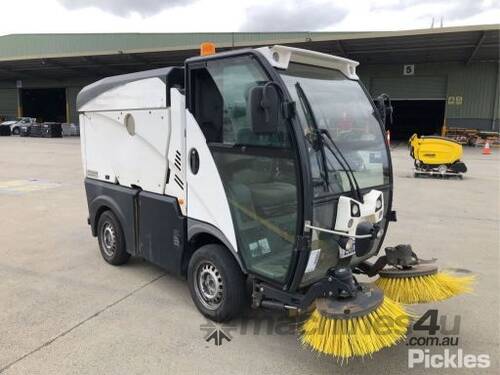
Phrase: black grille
[177,161]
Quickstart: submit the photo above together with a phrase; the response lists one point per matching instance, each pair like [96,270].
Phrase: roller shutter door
[410,87]
[8,102]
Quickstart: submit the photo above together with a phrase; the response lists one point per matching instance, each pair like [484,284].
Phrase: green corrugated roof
[32,46]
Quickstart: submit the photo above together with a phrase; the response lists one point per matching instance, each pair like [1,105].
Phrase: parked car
[15,125]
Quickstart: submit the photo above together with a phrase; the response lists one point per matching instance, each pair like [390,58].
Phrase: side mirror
[263,109]
[384,106]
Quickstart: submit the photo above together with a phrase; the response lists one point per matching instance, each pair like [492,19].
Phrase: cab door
[243,182]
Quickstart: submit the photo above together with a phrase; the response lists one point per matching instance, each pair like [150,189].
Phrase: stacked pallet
[461,135]
[51,130]
[25,131]
[69,130]
[4,130]
[36,130]
[473,137]
[493,138]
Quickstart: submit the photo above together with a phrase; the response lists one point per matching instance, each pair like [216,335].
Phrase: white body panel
[176,186]
[141,94]
[113,153]
[368,212]
[206,197]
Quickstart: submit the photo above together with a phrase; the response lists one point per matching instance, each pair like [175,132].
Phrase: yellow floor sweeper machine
[437,156]
[265,168]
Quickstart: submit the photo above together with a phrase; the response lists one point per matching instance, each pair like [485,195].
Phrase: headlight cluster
[355,209]
[346,243]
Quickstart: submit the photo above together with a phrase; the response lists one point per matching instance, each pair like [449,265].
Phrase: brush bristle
[360,336]
[421,289]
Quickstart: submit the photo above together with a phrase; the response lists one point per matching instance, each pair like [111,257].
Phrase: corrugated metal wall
[410,87]
[470,89]
[476,83]
[8,102]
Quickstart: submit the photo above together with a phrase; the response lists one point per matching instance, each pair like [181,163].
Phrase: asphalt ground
[63,310]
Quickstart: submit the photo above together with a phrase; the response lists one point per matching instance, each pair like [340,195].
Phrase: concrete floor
[64,310]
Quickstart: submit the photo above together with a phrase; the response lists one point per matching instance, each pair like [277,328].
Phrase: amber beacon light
[207,48]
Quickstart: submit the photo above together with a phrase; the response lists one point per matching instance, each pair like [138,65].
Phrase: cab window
[258,171]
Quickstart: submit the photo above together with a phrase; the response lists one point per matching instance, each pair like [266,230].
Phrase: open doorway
[423,117]
[46,105]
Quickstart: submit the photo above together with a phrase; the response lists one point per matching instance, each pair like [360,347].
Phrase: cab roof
[281,56]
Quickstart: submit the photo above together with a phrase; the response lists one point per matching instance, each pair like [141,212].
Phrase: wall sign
[409,70]
[455,100]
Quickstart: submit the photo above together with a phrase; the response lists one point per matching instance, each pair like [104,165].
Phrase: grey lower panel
[152,224]
[162,231]
[119,199]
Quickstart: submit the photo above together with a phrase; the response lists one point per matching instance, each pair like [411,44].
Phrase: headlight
[346,243]
[378,205]
[354,209]
[349,244]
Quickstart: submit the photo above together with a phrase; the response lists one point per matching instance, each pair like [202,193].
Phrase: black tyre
[111,239]
[216,283]
[16,131]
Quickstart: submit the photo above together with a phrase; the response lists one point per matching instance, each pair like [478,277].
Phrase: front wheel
[216,283]
[111,239]
[16,131]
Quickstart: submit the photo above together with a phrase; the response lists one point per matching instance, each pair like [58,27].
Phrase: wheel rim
[108,241]
[209,285]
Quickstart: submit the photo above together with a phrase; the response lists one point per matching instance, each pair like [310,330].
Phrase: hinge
[302,243]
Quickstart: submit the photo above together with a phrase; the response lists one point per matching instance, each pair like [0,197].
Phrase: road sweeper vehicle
[435,155]
[262,167]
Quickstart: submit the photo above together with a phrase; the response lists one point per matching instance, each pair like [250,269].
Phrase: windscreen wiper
[322,134]
[347,167]
[306,106]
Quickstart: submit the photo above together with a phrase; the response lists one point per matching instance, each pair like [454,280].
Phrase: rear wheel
[216,283]
[111,239]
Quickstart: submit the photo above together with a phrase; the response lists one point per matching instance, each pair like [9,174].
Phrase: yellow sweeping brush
[355,327]
[405,278]
[415,288]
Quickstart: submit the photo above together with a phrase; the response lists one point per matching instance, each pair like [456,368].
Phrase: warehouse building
[444,76]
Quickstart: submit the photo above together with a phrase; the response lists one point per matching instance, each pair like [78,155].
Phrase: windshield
[340,106]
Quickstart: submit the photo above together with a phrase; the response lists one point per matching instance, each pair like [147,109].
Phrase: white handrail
[343,234]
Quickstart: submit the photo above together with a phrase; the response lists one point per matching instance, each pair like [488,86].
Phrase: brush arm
[371,269]
[401,257]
